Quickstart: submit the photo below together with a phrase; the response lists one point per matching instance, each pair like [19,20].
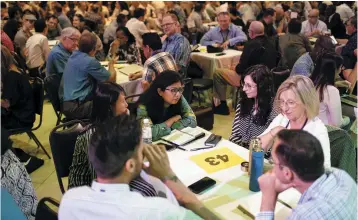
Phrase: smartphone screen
[168,147]
[202,185]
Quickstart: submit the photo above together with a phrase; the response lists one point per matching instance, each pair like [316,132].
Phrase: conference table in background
[52,43]
[209,62]
[232,184]
[131,87]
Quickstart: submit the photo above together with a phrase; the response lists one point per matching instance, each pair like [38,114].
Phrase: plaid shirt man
[333,196]
[159,62]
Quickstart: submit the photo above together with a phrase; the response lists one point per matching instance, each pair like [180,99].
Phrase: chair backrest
[44,211]
[132,104]
[279,74]
[62,144]
[38,93]
[188,89]
[52,85]
[343,151]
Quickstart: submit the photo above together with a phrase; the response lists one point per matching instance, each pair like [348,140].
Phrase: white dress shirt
[137,28]
[116,201]
[307,27]
[345,12]
[314,127]
[38,50]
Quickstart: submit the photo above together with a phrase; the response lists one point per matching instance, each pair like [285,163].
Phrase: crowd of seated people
[290,119]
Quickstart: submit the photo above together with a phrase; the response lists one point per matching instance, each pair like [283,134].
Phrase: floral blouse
[128,52]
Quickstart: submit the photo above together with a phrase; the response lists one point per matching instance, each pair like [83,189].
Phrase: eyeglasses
[174,91]
[248,86]
[312,16]
[167,25]
[75,40]
[289,103]
[31,21]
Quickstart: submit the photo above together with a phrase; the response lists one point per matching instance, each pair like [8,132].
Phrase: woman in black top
[254,111]
[17,104]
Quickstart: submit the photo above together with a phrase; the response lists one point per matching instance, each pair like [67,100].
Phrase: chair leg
[31,134]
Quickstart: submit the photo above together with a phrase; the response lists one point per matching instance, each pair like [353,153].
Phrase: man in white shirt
[136,26]
[345,12]
[37,47]
[313,27]
[116,153]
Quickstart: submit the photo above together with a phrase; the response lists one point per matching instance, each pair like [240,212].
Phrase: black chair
[45,212]
[132,104]
[188,89]
[62,144]
[279,75]
[38,94]
[52,85]
[201,85]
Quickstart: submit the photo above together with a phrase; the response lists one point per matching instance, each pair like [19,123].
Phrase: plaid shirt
[178,46]
[333,196]
[156,64]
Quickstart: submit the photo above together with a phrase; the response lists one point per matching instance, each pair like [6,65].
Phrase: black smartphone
[213,140]
[220,54]
[202,185]
[168,147]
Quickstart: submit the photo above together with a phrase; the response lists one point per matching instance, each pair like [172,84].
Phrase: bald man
[313,27]
[259,50]
[280,23]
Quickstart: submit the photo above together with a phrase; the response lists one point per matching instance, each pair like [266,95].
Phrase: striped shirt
[244,128]
[82,172]
[333,196]
[156,64]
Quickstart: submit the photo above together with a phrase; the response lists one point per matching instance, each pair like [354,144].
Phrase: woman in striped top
[254,111]
[108,101]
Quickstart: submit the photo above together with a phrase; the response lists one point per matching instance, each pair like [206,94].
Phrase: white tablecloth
[208,62]
[232,183]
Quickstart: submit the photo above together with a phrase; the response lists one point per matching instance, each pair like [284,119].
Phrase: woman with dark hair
[293,44]
[334,22]
[305,64]
[165,106]
[108,102]
[323,77]
[254,111]
[124,47]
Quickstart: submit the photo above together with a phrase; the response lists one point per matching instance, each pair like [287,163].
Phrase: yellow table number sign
[216,160]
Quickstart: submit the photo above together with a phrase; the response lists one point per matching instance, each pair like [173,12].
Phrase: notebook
[184,136]
[130,69]
[250,205]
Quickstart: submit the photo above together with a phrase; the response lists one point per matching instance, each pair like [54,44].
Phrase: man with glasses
[298,162]
[349,51]
[25,32]
[226,35]
[175,43]
[313,27]
[60,53]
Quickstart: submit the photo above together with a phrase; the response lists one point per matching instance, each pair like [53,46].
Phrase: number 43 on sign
[217,160]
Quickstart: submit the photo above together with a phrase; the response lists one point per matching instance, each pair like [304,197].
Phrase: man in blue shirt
[60,53]
[175,43]
[225,35]
[298,162]
[80,76]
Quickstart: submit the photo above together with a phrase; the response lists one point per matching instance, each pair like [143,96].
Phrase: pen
[180,148]
[201,148]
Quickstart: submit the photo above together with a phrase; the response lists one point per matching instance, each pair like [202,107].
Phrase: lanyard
[313,27]
[302,126]
[225,38]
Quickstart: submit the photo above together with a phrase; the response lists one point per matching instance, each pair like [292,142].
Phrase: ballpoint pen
[201,148]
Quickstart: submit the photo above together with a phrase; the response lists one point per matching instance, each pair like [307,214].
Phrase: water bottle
[256,164]
[147,132]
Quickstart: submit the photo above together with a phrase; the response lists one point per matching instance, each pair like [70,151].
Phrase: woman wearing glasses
[299,108]
[165,106]
[254,111]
